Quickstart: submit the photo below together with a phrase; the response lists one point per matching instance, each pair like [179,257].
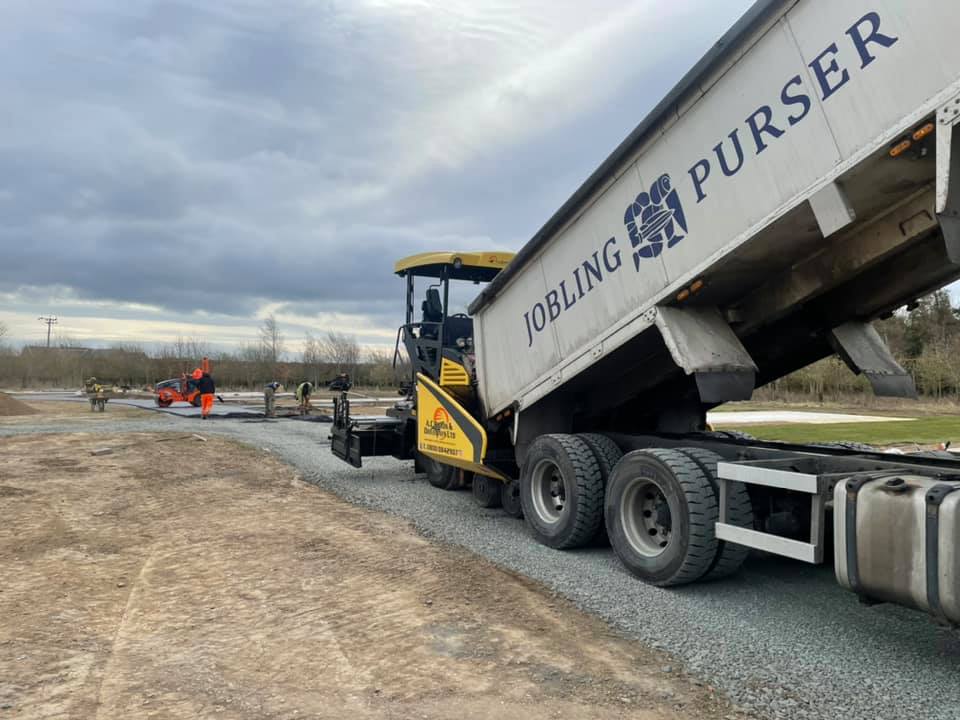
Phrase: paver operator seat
[432,307]
[440,334]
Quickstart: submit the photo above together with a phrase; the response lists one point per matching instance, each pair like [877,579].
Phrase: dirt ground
[10,406]
[67,410]
[189,579]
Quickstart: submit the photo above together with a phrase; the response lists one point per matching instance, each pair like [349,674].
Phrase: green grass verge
[924,431]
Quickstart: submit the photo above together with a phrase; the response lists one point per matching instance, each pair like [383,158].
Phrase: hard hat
[197,374]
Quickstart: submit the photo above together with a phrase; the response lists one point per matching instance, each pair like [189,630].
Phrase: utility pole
[50,321]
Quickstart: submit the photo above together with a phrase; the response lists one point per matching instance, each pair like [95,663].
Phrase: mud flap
[702,343]
[864,351]
[448,433]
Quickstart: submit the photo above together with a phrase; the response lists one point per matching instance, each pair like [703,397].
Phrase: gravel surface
[781,638]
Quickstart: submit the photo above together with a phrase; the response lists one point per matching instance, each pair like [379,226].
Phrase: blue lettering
[576,276]
[615,265]
[553,304]
[594,270]
[699,178]
[767,127]
[823,73]
[539,326]
[560,299]
[801,99]
[655,220]
[875,36]
[721,156]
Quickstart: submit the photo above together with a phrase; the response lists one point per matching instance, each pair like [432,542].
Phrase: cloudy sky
[189,166]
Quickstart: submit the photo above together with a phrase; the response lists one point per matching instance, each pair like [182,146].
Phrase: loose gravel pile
[781,638]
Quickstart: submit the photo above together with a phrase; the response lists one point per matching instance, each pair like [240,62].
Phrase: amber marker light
[900,147]
[921,132]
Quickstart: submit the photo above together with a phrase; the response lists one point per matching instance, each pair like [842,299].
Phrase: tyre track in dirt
[226,586]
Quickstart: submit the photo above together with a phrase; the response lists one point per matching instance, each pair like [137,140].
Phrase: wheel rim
[645,517]
[548,491]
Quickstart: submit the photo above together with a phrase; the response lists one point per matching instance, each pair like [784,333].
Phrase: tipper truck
[801,181]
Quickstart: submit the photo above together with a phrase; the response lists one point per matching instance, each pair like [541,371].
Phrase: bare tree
[341,351]
[6,350]
[271,339]
[312,358]
[179,348]
[382,368]
[197,348]
[184,354]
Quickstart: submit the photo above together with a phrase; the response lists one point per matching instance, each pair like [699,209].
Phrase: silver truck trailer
[799,182]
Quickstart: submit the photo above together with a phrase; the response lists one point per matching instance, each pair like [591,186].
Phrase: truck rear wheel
[486,491]
[661,510]
[445,477]
[608,454]
[561,491]
[510,498]
[605,450]
[729,556]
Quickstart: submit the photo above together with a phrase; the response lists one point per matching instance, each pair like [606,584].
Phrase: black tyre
[661,511]
[510,498]
[729,556]
[486,491]
[445,477]
[605,450]
[561,491]
[197,401]
[608,454]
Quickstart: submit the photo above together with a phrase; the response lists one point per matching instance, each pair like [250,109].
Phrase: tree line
[924,338]
[66,364]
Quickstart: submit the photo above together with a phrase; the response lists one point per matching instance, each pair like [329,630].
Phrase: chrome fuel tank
[897,539]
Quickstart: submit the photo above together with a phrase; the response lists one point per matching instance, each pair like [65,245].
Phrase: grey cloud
[217,157]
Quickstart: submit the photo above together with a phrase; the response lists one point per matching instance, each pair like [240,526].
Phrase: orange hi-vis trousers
[206,404]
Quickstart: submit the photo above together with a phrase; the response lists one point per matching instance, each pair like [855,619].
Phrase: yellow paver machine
[436,423]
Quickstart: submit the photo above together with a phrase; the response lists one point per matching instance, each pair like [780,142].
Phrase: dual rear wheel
[561,491]
[659,507]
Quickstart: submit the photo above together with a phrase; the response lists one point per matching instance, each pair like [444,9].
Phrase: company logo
[655,219]
[440,427]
